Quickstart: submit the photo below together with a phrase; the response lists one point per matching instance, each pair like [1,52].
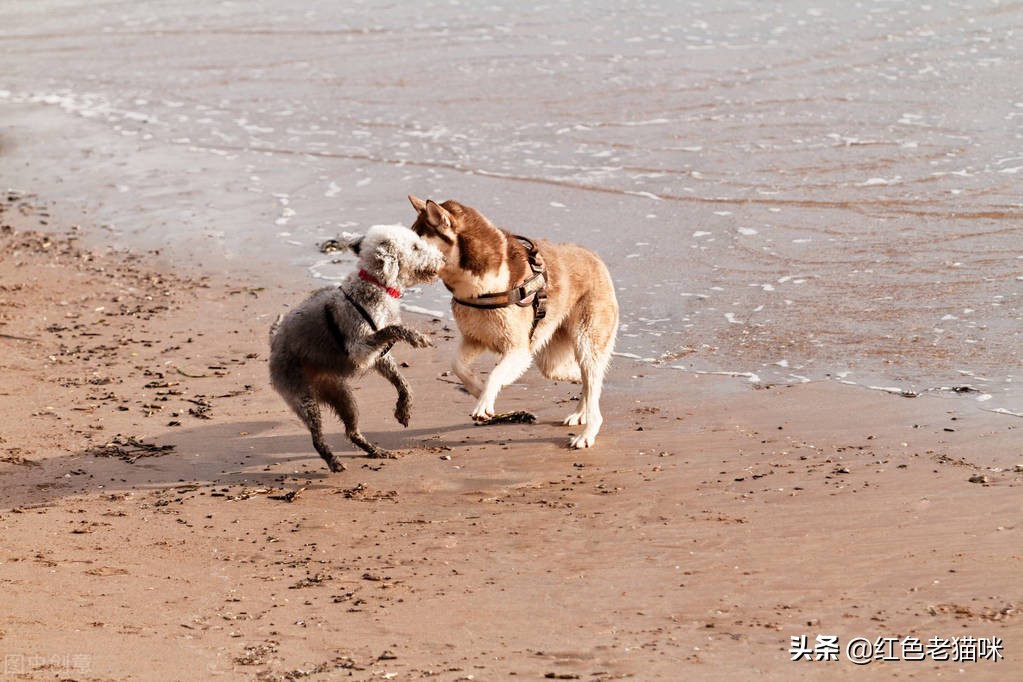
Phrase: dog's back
[304,335]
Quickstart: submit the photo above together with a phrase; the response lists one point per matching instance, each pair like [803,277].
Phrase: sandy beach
[165,518]
[811,460]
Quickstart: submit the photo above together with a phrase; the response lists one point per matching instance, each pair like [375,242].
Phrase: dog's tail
[275,326]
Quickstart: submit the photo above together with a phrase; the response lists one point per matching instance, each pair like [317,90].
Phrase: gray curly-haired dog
[339,331]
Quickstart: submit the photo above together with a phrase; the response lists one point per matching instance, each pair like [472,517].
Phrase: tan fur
[572,343]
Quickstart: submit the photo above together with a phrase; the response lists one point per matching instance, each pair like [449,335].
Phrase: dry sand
[165,518]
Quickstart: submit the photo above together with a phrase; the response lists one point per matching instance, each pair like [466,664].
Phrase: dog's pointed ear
[436,215]
[417,203]
[433,219]
[354,241]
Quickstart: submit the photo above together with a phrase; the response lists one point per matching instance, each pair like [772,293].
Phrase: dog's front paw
[335,465]
[483,413]
[580,442]
[585,439]
[417,340]
[575,419]
[381,453]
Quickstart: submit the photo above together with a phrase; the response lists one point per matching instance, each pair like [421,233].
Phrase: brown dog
[524,300]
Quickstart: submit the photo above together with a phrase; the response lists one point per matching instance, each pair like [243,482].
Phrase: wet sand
[164,516]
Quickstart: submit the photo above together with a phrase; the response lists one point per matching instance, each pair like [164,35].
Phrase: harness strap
[365,315]
[520,295]
[335,331]
[362,311]
[539,269]
[531,292]
[539,309]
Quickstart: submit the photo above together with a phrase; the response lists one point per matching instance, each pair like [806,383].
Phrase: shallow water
[784,191]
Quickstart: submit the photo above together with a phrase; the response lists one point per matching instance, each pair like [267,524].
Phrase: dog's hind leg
[594,363]
[341,399]
[388,369]
[308,410]
[299,392]
[556,359]
[581,414]
[468,351]
[509,368]
[559,360]
[594,341]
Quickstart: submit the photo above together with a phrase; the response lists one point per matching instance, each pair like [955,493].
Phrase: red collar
[391,291]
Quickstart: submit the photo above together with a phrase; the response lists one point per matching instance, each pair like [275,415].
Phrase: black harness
[533,291]
[335,331]
[362,311]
